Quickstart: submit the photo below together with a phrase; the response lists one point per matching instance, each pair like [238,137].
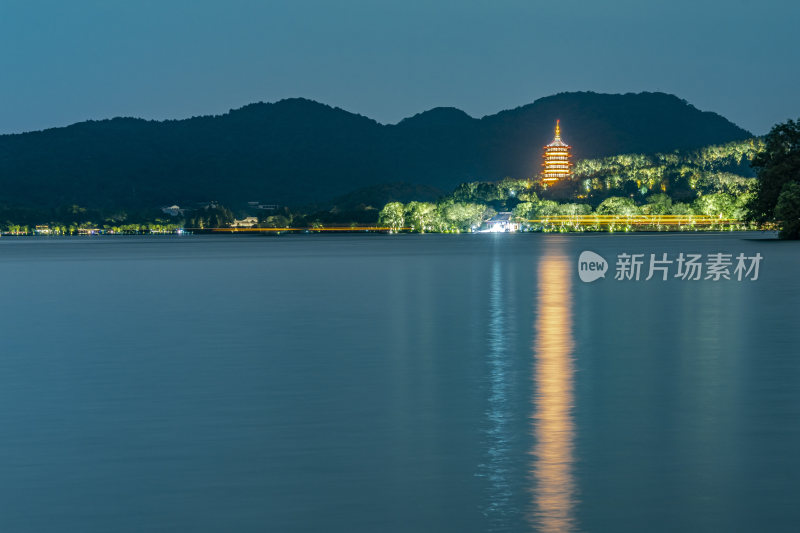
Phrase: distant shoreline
[331,231]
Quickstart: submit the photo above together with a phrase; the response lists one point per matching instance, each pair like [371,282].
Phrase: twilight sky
[66,61]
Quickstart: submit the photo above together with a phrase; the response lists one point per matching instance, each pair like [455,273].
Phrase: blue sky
[67,61]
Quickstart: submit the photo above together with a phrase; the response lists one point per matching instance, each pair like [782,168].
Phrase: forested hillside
[296,152]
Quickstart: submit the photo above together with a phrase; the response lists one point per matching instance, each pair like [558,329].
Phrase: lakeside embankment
[591,224]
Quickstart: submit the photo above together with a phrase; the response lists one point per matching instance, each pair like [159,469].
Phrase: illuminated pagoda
[556,159]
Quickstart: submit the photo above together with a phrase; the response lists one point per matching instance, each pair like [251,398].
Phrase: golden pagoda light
[556,159]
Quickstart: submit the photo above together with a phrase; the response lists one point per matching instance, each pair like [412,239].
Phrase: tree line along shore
[736,186]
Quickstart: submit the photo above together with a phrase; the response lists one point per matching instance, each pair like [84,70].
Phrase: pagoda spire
[558,129]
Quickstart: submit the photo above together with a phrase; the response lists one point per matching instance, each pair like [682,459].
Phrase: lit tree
[392,215]
[459,216]
[617,206]
[716,205]
[658,204]
[523,210]
[545,208]
[420,216]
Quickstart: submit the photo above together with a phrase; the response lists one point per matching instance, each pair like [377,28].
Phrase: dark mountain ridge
[297,151]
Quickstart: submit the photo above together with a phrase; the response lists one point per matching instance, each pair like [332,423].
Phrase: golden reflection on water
[553,426]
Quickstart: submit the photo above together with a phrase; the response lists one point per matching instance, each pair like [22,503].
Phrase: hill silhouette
[298,151]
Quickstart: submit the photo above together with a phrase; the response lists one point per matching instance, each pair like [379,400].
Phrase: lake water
[365,383]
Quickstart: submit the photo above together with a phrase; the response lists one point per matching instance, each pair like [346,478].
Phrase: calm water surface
[394,383]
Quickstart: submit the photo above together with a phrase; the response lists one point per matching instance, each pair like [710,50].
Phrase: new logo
[591,266]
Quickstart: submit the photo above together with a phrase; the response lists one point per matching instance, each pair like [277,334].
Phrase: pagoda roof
[557,140]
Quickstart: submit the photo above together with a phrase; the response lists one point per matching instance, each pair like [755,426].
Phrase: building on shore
[502,222]
[557,165]
[247,222]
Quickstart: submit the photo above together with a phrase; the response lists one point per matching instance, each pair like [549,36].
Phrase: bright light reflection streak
[553,426]
[497,468]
